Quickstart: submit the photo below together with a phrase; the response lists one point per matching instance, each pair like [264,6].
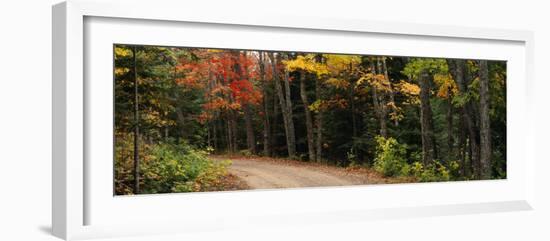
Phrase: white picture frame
[77,194]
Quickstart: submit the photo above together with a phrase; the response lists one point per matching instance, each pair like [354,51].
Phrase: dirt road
[261,173]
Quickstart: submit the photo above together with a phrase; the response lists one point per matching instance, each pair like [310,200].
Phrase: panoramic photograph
[192,119]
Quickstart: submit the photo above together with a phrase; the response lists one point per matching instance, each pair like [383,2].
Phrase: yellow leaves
[335,63]
[447,85]
[334,66]
[377,81]
[337,83]
[340,62]
[121,52]
[412,91]
[397,112]
[316,106]
[306,63]
[121,71]
[154,117]
[409,89]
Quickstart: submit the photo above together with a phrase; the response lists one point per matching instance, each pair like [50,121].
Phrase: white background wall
[25,119]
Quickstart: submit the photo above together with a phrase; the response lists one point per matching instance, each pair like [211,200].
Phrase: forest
[196,119]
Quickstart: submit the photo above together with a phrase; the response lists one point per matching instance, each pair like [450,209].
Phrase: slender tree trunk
[275,120]
[291,132]
[250,137]
[249,124]
[391,92]
[286,106]
[136,124]
[222,124]
[309,120]
[449,128]
[267,124]
[215,134]
[462,144]
[352,104]
[428,148]
[229,139]
[378,109]
[181,122]
[208,134]
[484,121]
[319,124]
[459,70]
[234,132]
[382,99]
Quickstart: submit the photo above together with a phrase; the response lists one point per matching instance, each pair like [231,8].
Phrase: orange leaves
[217,103]
[408,89]
[193,74]
[447,85]
[244,92]
[377,81]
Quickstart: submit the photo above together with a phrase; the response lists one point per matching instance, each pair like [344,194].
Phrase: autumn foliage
[430,118]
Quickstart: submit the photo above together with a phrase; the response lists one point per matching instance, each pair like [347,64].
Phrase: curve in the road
[266,175]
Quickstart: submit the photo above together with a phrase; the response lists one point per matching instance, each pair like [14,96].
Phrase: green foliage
[435,172]
[391,162]
[180,168]
[417,65]
[166,167]
[390,156]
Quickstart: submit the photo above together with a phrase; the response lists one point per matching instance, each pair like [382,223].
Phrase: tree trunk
[449,118]
[309,120]
[484,121]
[319,124]
[275,120]
[250,137]
[292,137]
[229,136]
[426,122]
[136,124]
[458,70]
[286,106]
[215,134]
[181,121]
[352,104]
[234,132]
[378,106]
[462,144]
[391,93]
[248,122]
[267,124]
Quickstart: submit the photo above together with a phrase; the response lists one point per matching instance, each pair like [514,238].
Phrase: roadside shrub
[390,157]
[179,168]
[435,172]
[165,166]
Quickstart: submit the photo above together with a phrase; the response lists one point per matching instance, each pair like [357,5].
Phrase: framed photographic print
[167,122]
